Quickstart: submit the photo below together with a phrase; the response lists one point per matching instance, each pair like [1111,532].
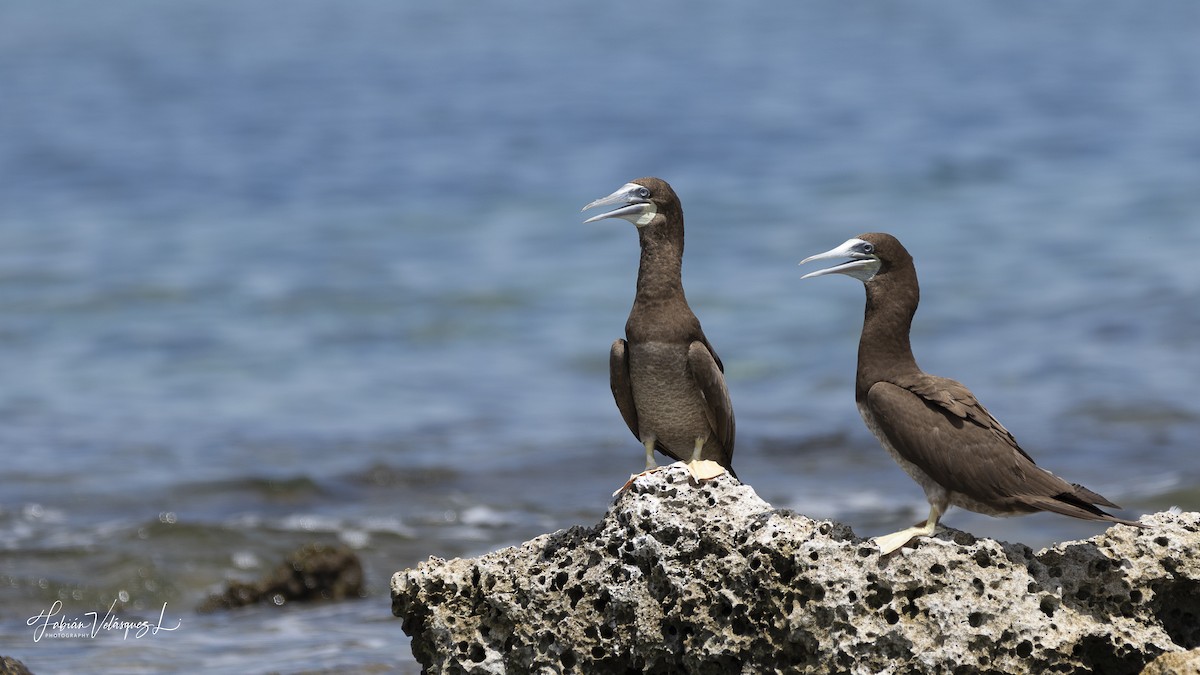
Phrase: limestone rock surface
[686,578]
[1175,663]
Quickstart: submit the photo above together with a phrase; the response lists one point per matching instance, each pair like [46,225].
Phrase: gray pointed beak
[862,265]
[633,209]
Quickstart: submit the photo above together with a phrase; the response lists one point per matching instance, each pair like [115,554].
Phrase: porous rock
[1175,663]
[11,666]
[687,578]
[312,572]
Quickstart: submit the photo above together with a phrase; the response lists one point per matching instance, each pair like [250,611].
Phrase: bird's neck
[884,351]
[661,266]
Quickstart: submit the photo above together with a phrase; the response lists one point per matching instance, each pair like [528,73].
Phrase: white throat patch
[647,215]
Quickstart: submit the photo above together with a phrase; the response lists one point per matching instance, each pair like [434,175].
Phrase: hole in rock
[1177,606]
[478,654]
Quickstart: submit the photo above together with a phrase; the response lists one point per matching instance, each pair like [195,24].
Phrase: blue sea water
[277,272]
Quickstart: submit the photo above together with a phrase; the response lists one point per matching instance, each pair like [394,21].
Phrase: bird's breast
[669,403]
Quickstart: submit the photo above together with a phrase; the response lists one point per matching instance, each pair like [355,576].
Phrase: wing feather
[707,371]
[622,385]
[939,426]
[950,437]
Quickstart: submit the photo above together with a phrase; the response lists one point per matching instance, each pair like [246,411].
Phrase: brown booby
[934,427]
[667,379]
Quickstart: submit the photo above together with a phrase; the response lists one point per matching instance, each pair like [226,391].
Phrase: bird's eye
[868,247]
[643,192]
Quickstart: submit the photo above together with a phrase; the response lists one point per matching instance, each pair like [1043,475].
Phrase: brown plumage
[667,380]
[933,426]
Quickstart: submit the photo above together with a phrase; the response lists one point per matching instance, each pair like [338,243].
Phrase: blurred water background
[280,272]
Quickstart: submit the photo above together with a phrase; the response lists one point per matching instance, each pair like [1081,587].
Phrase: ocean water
[281,272]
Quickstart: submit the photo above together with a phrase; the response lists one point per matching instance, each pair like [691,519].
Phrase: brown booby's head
[641,202]
[870,255]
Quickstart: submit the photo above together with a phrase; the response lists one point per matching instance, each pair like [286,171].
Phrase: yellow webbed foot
[704,469]
[892,542]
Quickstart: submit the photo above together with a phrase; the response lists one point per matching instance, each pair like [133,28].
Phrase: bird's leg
[703,469]
[890,542]
[650,465]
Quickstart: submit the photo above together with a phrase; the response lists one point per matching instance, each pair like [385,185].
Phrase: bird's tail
[1092,497]
[1078,504]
